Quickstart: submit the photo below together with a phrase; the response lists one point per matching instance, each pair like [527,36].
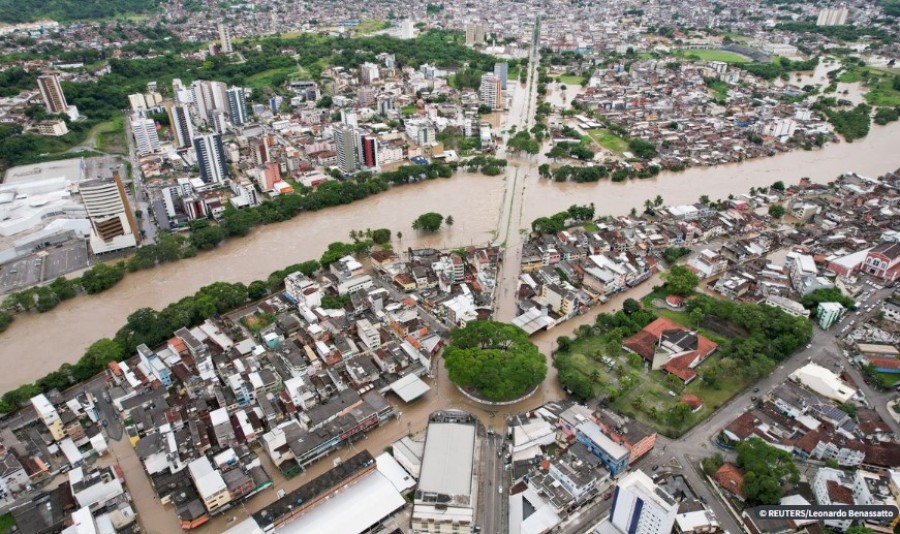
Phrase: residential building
[237,106]
[225,39]
[49,416]
[345,143]
[52,93]
[641,507]
[210,485]
[829,313]
[368,152]
[182,127]
[145,136]
[501,70]
[833,16]
[580,472]
[491,91]
[614,456]
[53,128]
[113,225]
[211,158]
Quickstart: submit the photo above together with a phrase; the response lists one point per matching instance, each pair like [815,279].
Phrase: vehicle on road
[607,497]
[755,390]
[655,467]
[809,346]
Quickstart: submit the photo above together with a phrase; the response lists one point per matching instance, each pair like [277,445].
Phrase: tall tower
[491,91]
[225,39]
[237,106]
[145,135]
[52,93]
[368,151]
[182,128]
[211,158]
[501,70]
[113,225]
[345,143]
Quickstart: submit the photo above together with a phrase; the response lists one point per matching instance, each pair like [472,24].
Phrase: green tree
[257,290]
[777,211]
[630,306]
[778,186]
[96,357]
[430,222]
[681,281]
[495,360]
[381,236]
[63,288]
[711,464]
[449,221]
[766,470]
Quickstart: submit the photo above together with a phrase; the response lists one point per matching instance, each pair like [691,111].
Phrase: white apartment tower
[225,39]
[491,91]
[345,145]
[182,127]
[641,507]
[833,16]
[113,225]
[145,135]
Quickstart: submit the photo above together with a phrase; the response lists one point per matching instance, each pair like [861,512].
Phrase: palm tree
[449,220]
[634,212]
[353,235]
[659,200]
[399,235]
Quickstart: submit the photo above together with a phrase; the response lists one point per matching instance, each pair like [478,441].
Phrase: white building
[833,16]
[823,382]
[145,135]
[641,507]
[113,226]
[491,91]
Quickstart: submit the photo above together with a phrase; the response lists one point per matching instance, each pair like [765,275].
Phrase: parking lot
[43,266]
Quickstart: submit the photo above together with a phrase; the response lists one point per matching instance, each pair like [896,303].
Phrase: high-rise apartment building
[206,97]
[225,39]
[491,91]
[237,106]
[211,158]
[113,225]
[345,145]
[501,70]
[145,135]
[52,93]
[182,128]
[474,33]
[641,507]
[368,73]
[368,151]
[833,16]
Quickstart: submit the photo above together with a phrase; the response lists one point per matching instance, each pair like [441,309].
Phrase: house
[635,436]
[730,478]
[614,456]
[668,346]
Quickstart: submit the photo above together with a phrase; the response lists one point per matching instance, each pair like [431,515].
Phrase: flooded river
[36,344]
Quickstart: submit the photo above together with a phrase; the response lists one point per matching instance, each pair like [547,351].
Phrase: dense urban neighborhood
[443,267]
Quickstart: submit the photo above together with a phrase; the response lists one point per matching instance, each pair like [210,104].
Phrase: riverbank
[62,334]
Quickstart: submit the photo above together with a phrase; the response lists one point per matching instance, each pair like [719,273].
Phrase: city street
[493,487]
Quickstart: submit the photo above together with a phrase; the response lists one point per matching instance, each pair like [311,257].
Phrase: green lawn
[267,78]
[6,522]
[889,378]
[608,140]
[716,55]
[883,93]
[371,25]
[590,227]
[567,79]
[111,136]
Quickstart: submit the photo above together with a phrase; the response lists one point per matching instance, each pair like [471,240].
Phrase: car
[809,346]
[755,390]
[607,497]
[655,467]
[754,398]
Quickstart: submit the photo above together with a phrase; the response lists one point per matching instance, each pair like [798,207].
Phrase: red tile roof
[644,343]
[838,493]
[692,400]
[731,478]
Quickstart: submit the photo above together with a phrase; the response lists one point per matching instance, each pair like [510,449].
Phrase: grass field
[266,78]
[570,80]
[111,136]
[6,522]
[371,25]
[608,140]
[716,55]
[883,93]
